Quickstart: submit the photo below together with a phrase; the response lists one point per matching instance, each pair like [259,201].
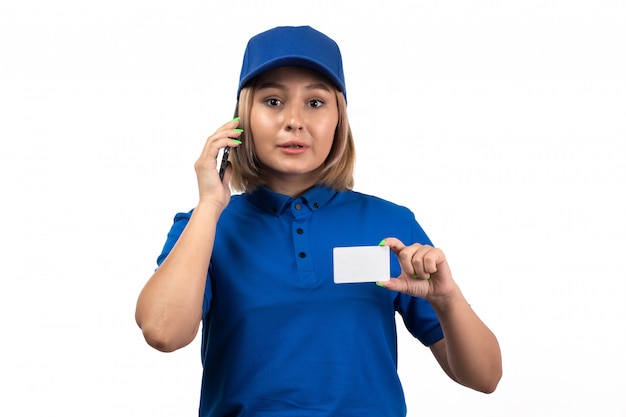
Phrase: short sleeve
[419,318]
[180,222]
[417,313]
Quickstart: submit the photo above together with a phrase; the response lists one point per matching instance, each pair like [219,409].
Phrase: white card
[361,264]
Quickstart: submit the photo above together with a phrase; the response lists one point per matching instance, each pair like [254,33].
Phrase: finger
[231,129]
[394,244]
[417,261]
[403,286]
[228,126]
[403,253]
[223,137]
[426,261]
[432,259]
[393,284]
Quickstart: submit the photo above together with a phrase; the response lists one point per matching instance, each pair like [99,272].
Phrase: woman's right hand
[169,308]
[210,188]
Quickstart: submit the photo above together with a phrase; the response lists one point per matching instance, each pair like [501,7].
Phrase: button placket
[301,241]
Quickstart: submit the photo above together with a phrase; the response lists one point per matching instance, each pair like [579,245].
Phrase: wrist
[447,302]
[210,206]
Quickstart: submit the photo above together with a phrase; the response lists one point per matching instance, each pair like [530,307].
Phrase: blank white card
[361,264]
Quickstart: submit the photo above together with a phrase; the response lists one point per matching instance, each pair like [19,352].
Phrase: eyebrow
[314,86]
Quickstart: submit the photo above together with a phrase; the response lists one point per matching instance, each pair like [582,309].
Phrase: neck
[291,185]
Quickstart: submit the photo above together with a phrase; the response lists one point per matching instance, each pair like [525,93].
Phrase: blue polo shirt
[279,337]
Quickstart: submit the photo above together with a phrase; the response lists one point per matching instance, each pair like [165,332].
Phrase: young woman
[279,337]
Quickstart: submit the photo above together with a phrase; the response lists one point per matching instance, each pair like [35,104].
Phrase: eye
[273,102]
[316,103]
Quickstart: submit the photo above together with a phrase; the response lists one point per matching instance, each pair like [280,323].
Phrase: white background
[501,124]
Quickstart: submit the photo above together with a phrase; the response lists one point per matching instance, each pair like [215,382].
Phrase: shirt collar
[275,203]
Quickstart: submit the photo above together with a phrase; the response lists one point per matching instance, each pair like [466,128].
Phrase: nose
[293,118]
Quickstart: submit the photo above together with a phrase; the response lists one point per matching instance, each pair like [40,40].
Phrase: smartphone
[224,162]
[225,153]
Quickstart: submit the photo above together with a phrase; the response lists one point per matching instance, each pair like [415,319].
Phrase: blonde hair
[338,168]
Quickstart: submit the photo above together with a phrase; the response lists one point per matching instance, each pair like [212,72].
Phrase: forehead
[286,75]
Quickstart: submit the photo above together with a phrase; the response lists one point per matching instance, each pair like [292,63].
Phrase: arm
[169,308]
[469,352]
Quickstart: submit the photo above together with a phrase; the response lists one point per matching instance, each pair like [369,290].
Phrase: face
[293,119]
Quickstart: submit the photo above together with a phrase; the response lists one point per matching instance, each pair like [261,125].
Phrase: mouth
[293,144]
[293,147]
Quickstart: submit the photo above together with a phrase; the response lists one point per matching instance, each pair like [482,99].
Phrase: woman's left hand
[425,271]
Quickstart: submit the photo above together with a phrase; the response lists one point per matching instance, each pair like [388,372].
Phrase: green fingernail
[238,142]
[427,277]
[414,276]
[238,130]
[380,285]
[236,119]
[382,243]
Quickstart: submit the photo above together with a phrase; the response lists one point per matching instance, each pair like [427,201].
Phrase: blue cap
[300,46]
